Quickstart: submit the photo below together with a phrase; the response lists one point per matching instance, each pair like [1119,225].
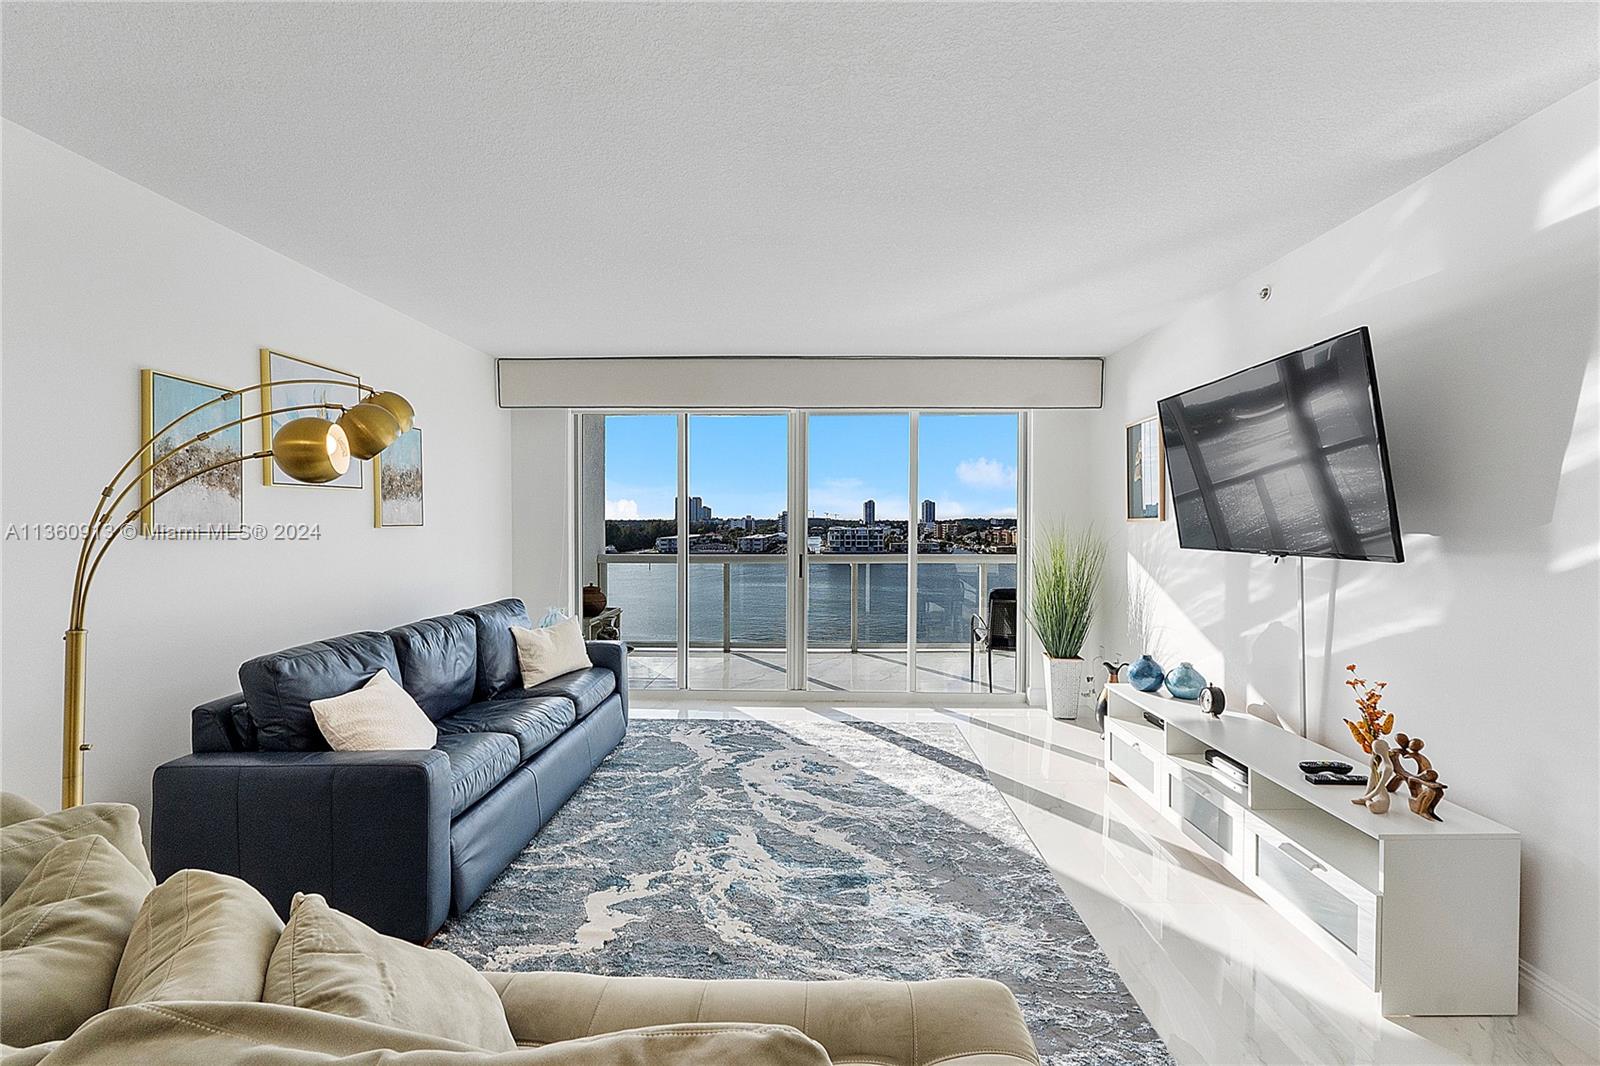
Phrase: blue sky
[738,464]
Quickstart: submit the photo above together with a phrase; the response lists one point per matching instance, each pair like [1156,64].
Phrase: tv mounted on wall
[1286,458]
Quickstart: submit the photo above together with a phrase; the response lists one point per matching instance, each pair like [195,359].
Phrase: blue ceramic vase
[1185,682]
[1146,674]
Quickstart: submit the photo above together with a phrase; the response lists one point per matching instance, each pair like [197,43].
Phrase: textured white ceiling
[720,178]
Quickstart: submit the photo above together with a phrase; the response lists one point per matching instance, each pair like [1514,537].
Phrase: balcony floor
[868,670]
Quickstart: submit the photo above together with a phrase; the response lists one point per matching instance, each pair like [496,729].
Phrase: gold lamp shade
[370,429]
[396,405]
[311,449]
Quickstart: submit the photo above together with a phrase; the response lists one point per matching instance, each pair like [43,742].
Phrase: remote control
[1321,766]
[1337,779]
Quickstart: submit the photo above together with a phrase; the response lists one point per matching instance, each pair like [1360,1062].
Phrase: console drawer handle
[1301,857]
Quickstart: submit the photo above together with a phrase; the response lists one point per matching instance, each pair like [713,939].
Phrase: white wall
[103,277]
[1479,284]
[542,509]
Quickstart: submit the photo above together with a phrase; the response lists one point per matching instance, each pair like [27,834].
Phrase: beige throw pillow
[61,935]
[378,716]
[328,961]
[199,935]
[550,651]
[25,843]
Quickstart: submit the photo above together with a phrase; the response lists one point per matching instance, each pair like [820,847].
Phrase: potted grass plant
[1067,567]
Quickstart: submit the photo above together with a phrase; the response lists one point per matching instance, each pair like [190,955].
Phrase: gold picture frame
[214,501]
[1144,465]
[343,388]
[404,499]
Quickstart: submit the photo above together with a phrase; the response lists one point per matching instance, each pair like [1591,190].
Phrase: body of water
[947,597]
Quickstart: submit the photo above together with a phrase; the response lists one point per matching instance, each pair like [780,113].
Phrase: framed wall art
[327,385]
[212,504]
[1145,471]
[397,482]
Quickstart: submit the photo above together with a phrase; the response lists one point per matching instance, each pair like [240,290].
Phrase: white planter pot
[1064,684]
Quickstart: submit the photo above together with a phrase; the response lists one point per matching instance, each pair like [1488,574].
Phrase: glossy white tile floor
[1222,978]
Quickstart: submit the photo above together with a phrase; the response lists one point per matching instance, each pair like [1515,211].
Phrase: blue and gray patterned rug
[717,849]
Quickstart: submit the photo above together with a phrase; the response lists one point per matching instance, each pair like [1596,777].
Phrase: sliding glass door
[850,552]
[738,553]
[629,470]
[858,486]
[967,624]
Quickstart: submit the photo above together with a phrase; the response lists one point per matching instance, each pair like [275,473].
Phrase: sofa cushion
[25,843]
[498,670]
[280,687]
[438,662]
[222,725]
[15,808]
[199,935]
[955,1020]
[328,961]
[478,762]
[61,934]
[546,653]
[533,722]
[587,689]
[378,716]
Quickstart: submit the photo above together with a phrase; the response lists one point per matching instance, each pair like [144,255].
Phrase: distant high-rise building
[869,512]
[927,512]
[783,521]
[698,511]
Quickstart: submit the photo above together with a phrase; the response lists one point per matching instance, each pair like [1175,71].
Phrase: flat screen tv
[1286,458]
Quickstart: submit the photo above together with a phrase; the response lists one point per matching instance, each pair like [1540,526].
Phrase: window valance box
[925,383]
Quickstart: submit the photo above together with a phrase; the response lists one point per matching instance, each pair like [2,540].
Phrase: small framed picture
[397,482]
[315,384]
[1146,471]
[211,501]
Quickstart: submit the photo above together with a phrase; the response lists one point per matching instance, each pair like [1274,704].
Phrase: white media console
[1424,913]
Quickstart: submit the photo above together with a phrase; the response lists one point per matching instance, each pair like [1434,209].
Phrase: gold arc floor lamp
[311,448]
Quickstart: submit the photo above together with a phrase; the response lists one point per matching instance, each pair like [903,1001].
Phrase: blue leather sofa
[399,839]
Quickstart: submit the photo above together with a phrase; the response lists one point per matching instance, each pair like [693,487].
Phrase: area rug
[715,849]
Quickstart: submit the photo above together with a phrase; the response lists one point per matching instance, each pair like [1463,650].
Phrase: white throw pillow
[378,716]
[550,651]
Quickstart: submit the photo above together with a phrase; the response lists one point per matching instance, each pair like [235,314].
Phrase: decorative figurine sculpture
[1380,773]
[1426,789]
[1113,675]
[1388,773]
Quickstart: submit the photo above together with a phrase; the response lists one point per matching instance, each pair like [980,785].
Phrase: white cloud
[620,509]
[986,474]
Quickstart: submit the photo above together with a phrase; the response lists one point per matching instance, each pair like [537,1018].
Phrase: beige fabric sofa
[98,967]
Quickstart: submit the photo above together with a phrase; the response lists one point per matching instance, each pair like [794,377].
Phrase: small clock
[1212,700]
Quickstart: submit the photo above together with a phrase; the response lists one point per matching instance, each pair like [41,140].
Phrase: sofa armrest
[370,830]
[959,1022]
[613,655]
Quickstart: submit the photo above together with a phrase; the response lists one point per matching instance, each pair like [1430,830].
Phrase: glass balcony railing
[740,601]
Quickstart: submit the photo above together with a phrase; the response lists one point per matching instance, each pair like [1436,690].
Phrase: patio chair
[997,630]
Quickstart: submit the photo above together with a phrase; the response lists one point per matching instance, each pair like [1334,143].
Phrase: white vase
[1064,683]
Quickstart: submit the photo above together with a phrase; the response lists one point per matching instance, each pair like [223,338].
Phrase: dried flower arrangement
[1375,722]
